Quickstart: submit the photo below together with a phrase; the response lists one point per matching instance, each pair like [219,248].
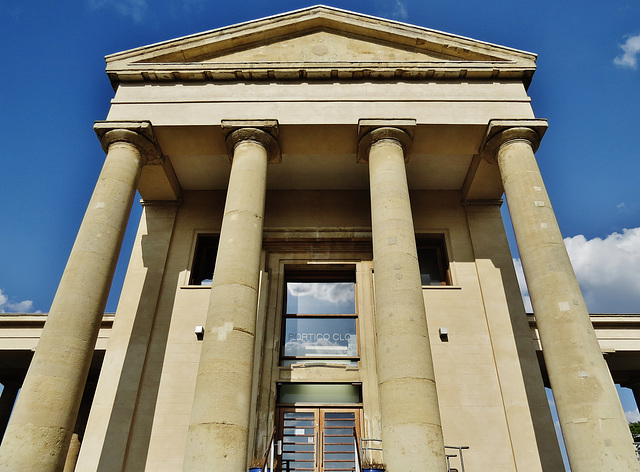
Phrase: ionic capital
[138,133]
[371,131]
[263,132]
[501,132]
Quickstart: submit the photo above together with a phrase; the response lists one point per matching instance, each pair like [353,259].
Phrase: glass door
[317,439]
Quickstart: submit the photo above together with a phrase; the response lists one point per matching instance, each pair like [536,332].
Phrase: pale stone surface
[526,408]
[593,423]
[116,395]
[219,427]
[318,83]
[410,418]
[402,51]
[43,419]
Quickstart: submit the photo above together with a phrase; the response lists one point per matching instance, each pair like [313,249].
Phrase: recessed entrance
[317,439]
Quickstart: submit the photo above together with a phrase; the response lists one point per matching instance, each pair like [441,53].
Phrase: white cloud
[7,306]
[608,271]
[632,416]
[631,48]
[400,11]
[395,9]
[136,9]
[331,292]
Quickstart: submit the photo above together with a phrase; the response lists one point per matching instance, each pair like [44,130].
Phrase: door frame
[319,428]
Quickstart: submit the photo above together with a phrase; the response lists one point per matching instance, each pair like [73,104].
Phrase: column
[40,429]
[593,423]
[219,429]
[410,418]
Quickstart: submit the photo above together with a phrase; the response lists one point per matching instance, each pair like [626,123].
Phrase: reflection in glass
[329,298]
[320,337]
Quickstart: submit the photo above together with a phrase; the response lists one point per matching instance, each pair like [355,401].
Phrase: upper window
[204,260]
[432,258]
[320,319]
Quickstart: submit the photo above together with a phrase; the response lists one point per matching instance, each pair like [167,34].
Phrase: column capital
[500,132]
[138,133]
[373,130]
[263,132]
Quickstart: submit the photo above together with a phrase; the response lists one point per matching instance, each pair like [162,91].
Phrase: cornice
[187,58]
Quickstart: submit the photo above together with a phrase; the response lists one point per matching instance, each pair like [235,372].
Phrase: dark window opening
[204,260]
[432,258]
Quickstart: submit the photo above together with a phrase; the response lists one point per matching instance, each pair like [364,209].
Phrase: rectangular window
[204,260]
[320,318]
[432,258]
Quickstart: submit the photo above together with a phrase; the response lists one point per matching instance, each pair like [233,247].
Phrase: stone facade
[331,158]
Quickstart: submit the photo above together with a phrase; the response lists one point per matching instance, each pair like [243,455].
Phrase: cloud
[632,416]
[331,292]
[608,271]
[631,48]
[396,9]
[399,11]
[7,306]
[135,9]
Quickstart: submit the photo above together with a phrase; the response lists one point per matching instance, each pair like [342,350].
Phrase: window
[204,260]
[432,258]
[320,319]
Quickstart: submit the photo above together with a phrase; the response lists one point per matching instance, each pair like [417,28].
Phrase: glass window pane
[320,337]
[319,393]
[330,298]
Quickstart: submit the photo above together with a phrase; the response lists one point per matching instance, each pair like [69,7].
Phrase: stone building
[344,175]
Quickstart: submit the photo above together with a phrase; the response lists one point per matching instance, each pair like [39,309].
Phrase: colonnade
[595,430]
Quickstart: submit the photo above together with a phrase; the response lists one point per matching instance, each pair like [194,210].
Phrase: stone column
[43,419]
[411,430]
[593,423]
[219,429]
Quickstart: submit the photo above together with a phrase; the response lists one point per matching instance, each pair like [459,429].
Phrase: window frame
[436,242]
[319,275]
[204,241]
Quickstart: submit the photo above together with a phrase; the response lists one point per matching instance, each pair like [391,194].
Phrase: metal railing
[269,454]
[362,448]
[459,450]
[366,446]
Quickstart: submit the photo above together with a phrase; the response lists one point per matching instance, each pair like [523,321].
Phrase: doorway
[317,439]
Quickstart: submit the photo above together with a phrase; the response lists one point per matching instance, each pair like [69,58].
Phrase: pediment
[327,47]
[318,43]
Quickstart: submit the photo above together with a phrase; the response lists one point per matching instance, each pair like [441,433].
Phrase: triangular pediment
[327,47]
[319,42]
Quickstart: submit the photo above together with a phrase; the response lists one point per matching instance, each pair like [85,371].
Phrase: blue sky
[53,87]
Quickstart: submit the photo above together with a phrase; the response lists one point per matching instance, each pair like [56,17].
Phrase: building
[344,175]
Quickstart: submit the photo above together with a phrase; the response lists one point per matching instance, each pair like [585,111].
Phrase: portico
[344,176]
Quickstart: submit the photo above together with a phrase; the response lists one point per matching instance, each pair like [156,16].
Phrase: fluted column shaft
[219,428]
[410,418]
[43,419]
[593,423]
